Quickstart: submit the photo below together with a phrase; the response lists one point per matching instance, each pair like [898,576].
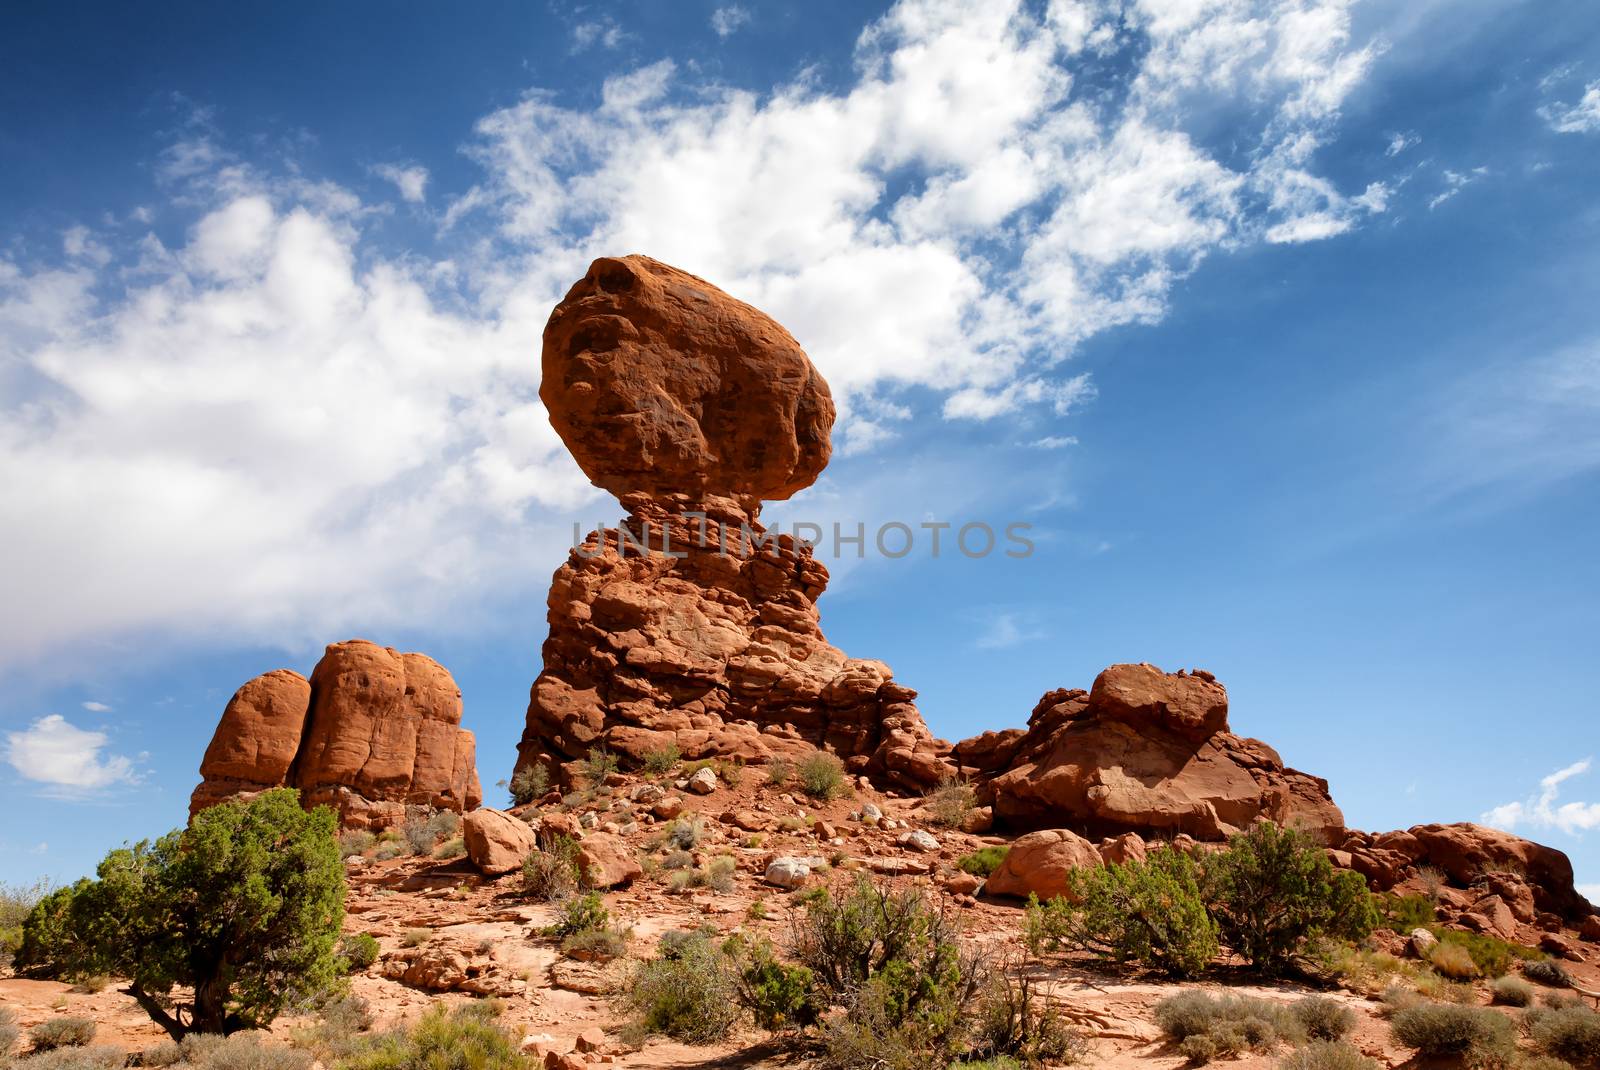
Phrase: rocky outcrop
[690,624]
[1142,751]
[372,732]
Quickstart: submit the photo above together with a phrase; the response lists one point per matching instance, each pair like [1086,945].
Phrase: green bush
[16,903]
[466,1038]
[1149,912]
[359,950]
[580,914]
[1013,1022]
[1322,1018]
[529,783]
[1273,890]
[777,995]
[1491,956]
[242,908]
[454,847]
[1223,1025]
[1511,991]
[1479,1036]
[551,873]
[686,992]
[1571,1033]
[664,760]
[1328,1055]
[778,772]
[355,842]
[822,775]
[1454,961]
[56,1033]
[1402,913]
[595,944]
[984,861]
[600,764]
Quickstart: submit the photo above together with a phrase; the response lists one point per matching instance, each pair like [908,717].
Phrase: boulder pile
[372,732]
[690,625]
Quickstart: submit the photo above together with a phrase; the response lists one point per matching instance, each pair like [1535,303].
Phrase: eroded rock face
[690,624]
[660,383]
[370,733]
[1143,751]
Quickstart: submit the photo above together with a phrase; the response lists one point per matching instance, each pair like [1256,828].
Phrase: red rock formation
[1143,751]
[692,407]
[372,732]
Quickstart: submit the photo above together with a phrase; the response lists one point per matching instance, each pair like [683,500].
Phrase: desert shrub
[894,960]
[678,859]
[1273,890]
[359,950]
[663,760]
[716,875]
[246,1051]
[338,1030]
[242,908]
[95,982]
[729,770]
[1511,991]
[1433,986]
[529,783]
[580,914]
[355,842]
[779,771]
[1491,956]
[166,1053]
[1479,1036]
[1571,1033]
[454,847]
[1328,1055]
[600,764]
[1225,1025]
[1013,1021]
[551,873]
[1453,961]
[777,995]
[390,850]
[467,1038]
[415,937]
[1149,912]
[821,775]
[686,992]
[1000,1062]
[56,1033]
[1402,913]
[16,903]
[686,832]
[950,802]
[9,1033]
[1322,1018]
[601,944]
[96,1057]
[1547,972]
[984,861]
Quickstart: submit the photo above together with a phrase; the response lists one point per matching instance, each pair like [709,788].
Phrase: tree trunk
[158,1014]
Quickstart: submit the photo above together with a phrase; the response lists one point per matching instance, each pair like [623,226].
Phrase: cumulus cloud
[275,429]
[55,752]
[1544,810]
[1580,117]
[410,179]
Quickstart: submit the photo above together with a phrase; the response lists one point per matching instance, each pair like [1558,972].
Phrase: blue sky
[1275,320]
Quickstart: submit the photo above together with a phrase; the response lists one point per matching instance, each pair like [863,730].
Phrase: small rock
[918,840]
[870,812]
[787,872]
[1422,943]
[962,884]
[703,782]
[1560,946]
[591,1039]
[588,819]
[648,794]
[824,830]
[668,808]
[979,819]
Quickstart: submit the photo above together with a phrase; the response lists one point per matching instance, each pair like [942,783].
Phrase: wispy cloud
[726,21]
[603,32]
[1454,183]
[1401,141]
[54,752]
[1544,809]
[1580,117]
[1008,629]
[96,707]
[1054,442]
[410,179]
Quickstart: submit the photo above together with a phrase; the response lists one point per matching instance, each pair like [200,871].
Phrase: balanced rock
[372,732]
[690,625]
[1143,751]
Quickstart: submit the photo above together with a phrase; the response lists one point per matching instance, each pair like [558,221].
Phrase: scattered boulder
[692,408]
[1143,751]
[704,782]
[1422,943]
[496,841]
[372,732]
[607,861]
[788,873]
[918,840]
[1039,863]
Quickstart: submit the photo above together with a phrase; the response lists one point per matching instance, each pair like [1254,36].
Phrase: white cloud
[1054,442]
[1542,810]
[1005,630]
[1400,142]
[1454,183]
[410,179]
[55,752]
[602,32]
[1580,117]
[96,707]
[275,429]
[726,21]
